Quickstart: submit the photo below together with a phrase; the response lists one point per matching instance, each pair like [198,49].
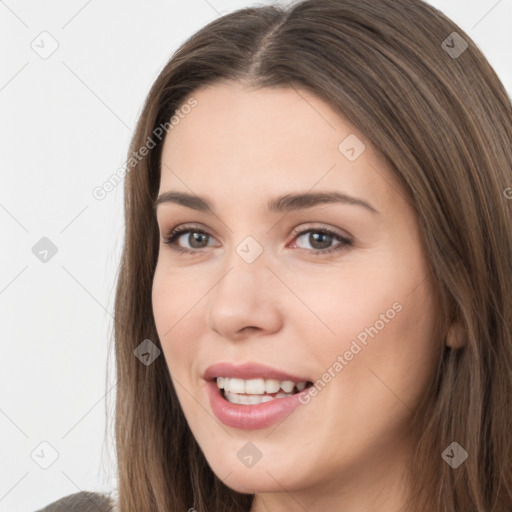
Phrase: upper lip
[249,371]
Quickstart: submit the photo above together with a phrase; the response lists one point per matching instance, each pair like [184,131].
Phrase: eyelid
[296,231]
[311,226]
[346,240]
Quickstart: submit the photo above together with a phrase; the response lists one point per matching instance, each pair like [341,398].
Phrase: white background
[66,122]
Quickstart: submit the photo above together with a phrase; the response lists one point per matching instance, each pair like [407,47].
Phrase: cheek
[389,354]
[380,320]
[344,305]
[172,302]
[175,293]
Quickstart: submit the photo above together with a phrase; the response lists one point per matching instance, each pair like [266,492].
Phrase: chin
[249,482]
[262,477]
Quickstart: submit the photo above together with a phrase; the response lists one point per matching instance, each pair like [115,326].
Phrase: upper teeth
[257,386]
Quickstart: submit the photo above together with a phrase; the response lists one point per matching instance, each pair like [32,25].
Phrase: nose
[245,301]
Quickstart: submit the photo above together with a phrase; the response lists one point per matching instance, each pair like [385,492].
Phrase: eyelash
[175,233]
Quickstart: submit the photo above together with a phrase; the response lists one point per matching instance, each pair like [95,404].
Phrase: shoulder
[81,502]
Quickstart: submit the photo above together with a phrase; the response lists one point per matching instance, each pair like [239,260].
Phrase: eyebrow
[281,204]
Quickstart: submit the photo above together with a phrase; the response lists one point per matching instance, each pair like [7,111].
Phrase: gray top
[81,502]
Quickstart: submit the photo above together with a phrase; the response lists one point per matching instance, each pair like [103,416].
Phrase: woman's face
[351,310]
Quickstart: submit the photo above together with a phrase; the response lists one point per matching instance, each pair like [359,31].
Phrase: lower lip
[251,417]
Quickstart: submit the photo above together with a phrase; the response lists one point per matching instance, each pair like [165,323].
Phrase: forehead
[241,142]
[258,121]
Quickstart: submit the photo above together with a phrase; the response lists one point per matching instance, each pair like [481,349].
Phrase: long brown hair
[431,104]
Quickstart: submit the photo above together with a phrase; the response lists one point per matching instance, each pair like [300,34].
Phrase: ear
[455,337]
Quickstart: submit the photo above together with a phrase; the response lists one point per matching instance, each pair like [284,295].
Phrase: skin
[291,308]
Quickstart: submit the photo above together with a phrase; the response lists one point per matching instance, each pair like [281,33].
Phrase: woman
[313,309]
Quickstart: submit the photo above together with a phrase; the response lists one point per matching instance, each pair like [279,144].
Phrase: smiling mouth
[257,391]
